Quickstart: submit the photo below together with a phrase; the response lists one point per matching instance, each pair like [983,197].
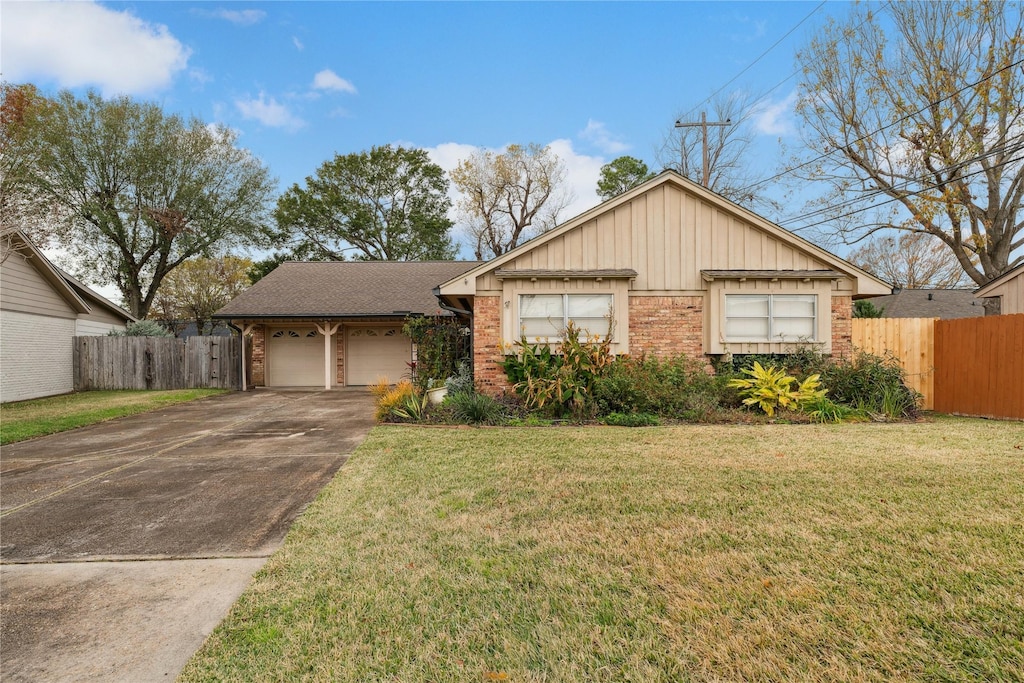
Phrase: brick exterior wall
[487,374]
[257,376]
[666,325]
[36,355]
[842,326]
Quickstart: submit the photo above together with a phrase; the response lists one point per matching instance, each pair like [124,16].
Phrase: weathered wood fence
[157,363]
[912,340]
[970,366]
[979,366]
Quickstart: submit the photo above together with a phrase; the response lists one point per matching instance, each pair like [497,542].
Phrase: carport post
[328,331]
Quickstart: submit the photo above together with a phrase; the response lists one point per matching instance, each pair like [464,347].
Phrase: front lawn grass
[27,419]
[693,553]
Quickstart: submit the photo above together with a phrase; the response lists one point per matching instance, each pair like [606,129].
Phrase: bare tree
[920,127]
[506,195]
[911,260]
[728,150]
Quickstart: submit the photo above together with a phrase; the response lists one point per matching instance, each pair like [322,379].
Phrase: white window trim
[609,316]
[772,337]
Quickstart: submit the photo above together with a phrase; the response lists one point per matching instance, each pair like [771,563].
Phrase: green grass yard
[696,553]
[41,416]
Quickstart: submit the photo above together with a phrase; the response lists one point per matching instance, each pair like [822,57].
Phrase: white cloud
[299,45]
[78,44]
[775,118]
[268,112]
[242,17]
[328,80]
[597,134]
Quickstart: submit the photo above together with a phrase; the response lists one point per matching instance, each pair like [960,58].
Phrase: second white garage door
[295,358]
[375,352]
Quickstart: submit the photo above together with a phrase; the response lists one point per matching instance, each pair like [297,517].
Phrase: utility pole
[703,124]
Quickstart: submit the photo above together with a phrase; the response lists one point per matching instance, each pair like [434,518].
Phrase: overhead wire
[1007,149]
[756,60]
[887,126]
[913,193]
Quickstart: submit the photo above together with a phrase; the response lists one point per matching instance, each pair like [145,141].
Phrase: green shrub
[474,408]
[442,346]
[561,382]
[770,388]
[871,383]
[676,387]
[462,381]
[142,328]
[631,420]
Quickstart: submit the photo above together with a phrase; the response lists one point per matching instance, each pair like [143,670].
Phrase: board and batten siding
[1011,295]
[668,235]
[36,355]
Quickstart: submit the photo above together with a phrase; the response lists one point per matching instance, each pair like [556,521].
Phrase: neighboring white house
[41,310]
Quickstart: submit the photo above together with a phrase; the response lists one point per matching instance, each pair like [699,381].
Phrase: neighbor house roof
[866,283]
[929,303]
[345,289]
[79,296]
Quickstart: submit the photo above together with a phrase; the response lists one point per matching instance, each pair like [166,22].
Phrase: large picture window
[771,317]
[546,316]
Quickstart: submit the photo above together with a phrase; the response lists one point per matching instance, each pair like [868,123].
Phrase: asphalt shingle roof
[930,303]
[346,289]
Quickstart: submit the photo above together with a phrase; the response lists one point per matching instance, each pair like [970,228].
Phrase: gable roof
[345,289]
[986,290]
[672,177]
[49,272]
[93,298]
[947,304]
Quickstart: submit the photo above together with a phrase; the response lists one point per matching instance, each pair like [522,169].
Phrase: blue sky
[302,81]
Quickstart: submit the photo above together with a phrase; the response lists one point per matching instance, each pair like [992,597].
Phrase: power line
[756,60]
[1008,149]
[889,125]
[895,199]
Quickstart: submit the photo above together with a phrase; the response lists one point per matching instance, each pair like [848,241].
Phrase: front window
[770,317]
[546,316]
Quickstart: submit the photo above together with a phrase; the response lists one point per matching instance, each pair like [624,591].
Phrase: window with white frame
[771,317]
[546,316]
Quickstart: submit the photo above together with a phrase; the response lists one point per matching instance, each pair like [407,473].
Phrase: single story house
[334,324]
[1009,288]
[668,267]
[42,309]
[947,304]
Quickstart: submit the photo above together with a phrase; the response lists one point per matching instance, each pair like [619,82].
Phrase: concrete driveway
[123,544]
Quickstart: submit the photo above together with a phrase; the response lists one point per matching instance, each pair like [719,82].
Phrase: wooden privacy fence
[979,366]
[157,363]
[911,340]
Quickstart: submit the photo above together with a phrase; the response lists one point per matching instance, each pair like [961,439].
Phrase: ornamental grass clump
[392,398]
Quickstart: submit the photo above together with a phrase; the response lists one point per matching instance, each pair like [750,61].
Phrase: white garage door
[375,352]
[295,357]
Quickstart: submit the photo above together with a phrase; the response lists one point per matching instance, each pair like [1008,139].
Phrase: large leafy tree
[916,119]
[141,192]
[385,204]
[508,196]
[196,289]
[22,209]
[620,175]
